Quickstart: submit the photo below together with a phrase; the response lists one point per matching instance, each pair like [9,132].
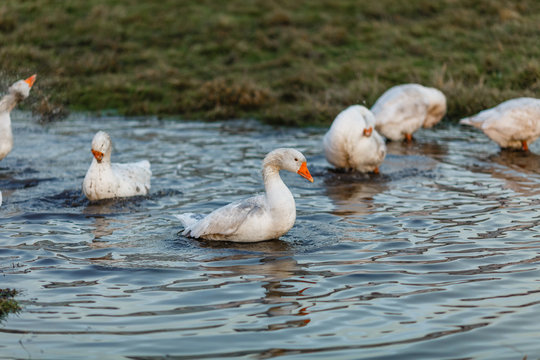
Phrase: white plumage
[258,218]
[104,180]
[403,109]
[16,93]
[512,124]
[352,143]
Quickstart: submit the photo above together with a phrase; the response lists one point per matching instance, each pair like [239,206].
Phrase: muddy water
[437,257]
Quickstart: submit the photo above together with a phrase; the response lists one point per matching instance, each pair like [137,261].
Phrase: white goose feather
[105,180]
[514,123]
[16,93]
[403,109]
[352,143]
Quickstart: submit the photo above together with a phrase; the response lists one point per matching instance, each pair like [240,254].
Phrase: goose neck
[271,175]
[8,102]
[278,195]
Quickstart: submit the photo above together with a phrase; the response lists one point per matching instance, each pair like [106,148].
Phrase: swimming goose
[403,109]
[258,218]
[105,180]
[512,124]
[16,93]
[352,143]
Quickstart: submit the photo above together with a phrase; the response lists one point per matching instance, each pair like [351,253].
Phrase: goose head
[367,120]
[288,159]
[101,146]
[21,89]
[436,108]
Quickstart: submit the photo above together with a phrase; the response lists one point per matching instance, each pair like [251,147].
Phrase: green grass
[7,303]
[283,62]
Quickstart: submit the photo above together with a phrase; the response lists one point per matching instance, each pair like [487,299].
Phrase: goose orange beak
[368,131]
[304,172]
[30,81]
[98,155]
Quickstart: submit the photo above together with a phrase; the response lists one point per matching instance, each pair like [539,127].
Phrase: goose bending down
[258,218]
[104,180]
[403,109]
[512,124]
[16,93]
[352,143]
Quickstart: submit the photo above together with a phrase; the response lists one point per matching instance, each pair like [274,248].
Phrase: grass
[283,62]
[7,303]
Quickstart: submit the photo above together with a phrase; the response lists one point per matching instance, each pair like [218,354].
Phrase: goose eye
[295,159]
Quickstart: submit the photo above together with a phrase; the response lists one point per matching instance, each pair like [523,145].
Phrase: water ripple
[436,255]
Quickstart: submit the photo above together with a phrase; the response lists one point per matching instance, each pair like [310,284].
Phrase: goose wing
[226,220]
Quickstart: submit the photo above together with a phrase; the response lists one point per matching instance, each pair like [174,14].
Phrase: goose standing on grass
[258,218]
[512,124]
[16,93]
[351,142]
[105,180]
[403,109]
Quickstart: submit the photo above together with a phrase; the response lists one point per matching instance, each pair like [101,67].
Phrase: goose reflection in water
[354,193]
[103,214]
[107,219]
[423,147]
[526,162]
[520,170]
[270,263]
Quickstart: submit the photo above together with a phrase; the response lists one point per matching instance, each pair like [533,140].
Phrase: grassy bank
[284,62]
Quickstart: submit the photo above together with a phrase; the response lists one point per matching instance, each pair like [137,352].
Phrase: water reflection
[103,227]
[111,216]
[354,193]
[386,264]
[424,147]
[518,170]
[104,217]
[270,263]
[520,161]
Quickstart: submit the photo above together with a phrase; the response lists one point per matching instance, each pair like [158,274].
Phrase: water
[437,257]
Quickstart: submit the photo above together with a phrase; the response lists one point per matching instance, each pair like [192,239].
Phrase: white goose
[403,109]
[16,93]
[351,142]
[258,218]
[512,124]
[104,180]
